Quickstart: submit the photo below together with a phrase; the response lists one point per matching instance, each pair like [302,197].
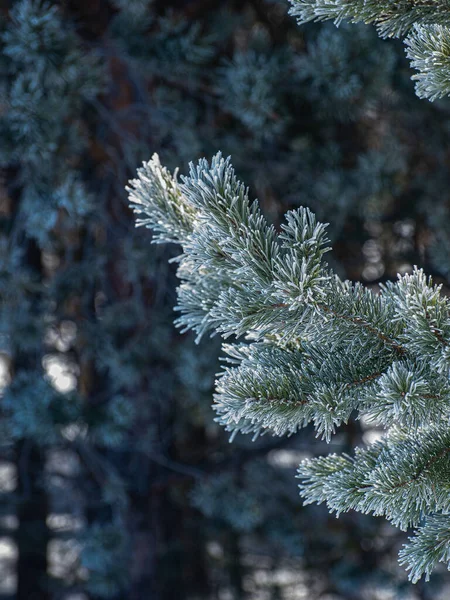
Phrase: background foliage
[116,483]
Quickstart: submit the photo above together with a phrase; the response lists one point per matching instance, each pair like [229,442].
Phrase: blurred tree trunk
[33,535]
[180,544]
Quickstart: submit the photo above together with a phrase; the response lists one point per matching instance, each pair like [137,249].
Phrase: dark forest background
[115,482]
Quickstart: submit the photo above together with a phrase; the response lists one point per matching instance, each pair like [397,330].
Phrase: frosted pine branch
[313,348]
[425,23]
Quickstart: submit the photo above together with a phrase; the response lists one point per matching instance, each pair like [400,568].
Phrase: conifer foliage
[114,482]
[317,349]
[425,24]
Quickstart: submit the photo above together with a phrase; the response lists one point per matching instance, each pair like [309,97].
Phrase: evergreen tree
[121,484]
